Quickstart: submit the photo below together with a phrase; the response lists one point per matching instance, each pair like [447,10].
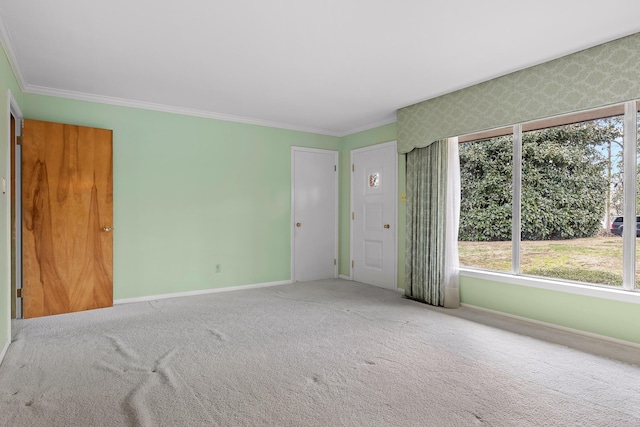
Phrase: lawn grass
[593,260]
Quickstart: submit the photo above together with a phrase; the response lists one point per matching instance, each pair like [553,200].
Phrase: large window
[548,198]
[486,175]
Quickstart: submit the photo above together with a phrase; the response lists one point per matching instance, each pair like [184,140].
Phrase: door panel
[373,254]
[374,189]
[314,214]
[67,199]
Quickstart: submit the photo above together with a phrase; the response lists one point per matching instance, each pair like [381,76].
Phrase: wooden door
[67,217]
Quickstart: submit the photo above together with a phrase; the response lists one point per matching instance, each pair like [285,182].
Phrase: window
[486,202]
[558,186]
[566,173]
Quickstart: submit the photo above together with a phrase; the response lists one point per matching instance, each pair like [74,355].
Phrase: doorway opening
[15,202]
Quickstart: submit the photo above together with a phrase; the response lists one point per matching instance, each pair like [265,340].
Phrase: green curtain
[426,223]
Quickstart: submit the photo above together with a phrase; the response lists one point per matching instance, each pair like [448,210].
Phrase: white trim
[391,118]
[576,288]
[516,199]
[7,44]
[4,350]
[344,277]
[200,292]
[351,211]
[7,224]
[393,143]
[292,231]
[395,205]
[123,102]
[554,326]
[629,209]
[336,190]
[14,110]
[131,103]
[17,113]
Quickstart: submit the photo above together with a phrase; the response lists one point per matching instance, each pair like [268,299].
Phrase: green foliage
[485,178]
[564,183]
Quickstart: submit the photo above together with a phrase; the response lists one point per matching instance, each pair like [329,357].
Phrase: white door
[374,187]
[314,214]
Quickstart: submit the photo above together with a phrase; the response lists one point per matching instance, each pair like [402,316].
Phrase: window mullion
[629,223]
[517,199]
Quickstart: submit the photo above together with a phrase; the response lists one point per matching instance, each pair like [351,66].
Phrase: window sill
[595,291]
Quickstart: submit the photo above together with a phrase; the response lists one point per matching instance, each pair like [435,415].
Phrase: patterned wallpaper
[599,76]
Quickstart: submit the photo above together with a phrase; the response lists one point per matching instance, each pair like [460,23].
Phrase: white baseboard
[554,326]
[4,350]
[199,292]
[342,276]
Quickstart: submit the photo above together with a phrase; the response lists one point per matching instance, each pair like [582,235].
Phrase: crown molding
[123,102]
[388,119]
[7,45]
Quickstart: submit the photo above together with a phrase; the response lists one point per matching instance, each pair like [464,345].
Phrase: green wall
[190,193]
[7,82]
[610,318]
[366,138]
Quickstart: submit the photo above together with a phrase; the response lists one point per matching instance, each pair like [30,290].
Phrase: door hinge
[353,216]
[19,140]
[352,264]
[18,293]
[353,167]
[335,261]
[335,168]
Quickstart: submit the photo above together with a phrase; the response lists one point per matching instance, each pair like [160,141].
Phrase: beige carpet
[327,353]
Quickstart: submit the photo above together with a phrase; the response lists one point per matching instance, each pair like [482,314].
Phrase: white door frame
[395,208]
[13,109]
[336,195]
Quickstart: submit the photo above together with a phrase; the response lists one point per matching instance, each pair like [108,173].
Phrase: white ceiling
[326,66]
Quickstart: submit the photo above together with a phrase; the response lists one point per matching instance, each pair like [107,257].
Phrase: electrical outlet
[217,268]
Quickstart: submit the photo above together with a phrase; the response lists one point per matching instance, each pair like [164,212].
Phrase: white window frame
[516,200]
[627,293]
[630,167]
